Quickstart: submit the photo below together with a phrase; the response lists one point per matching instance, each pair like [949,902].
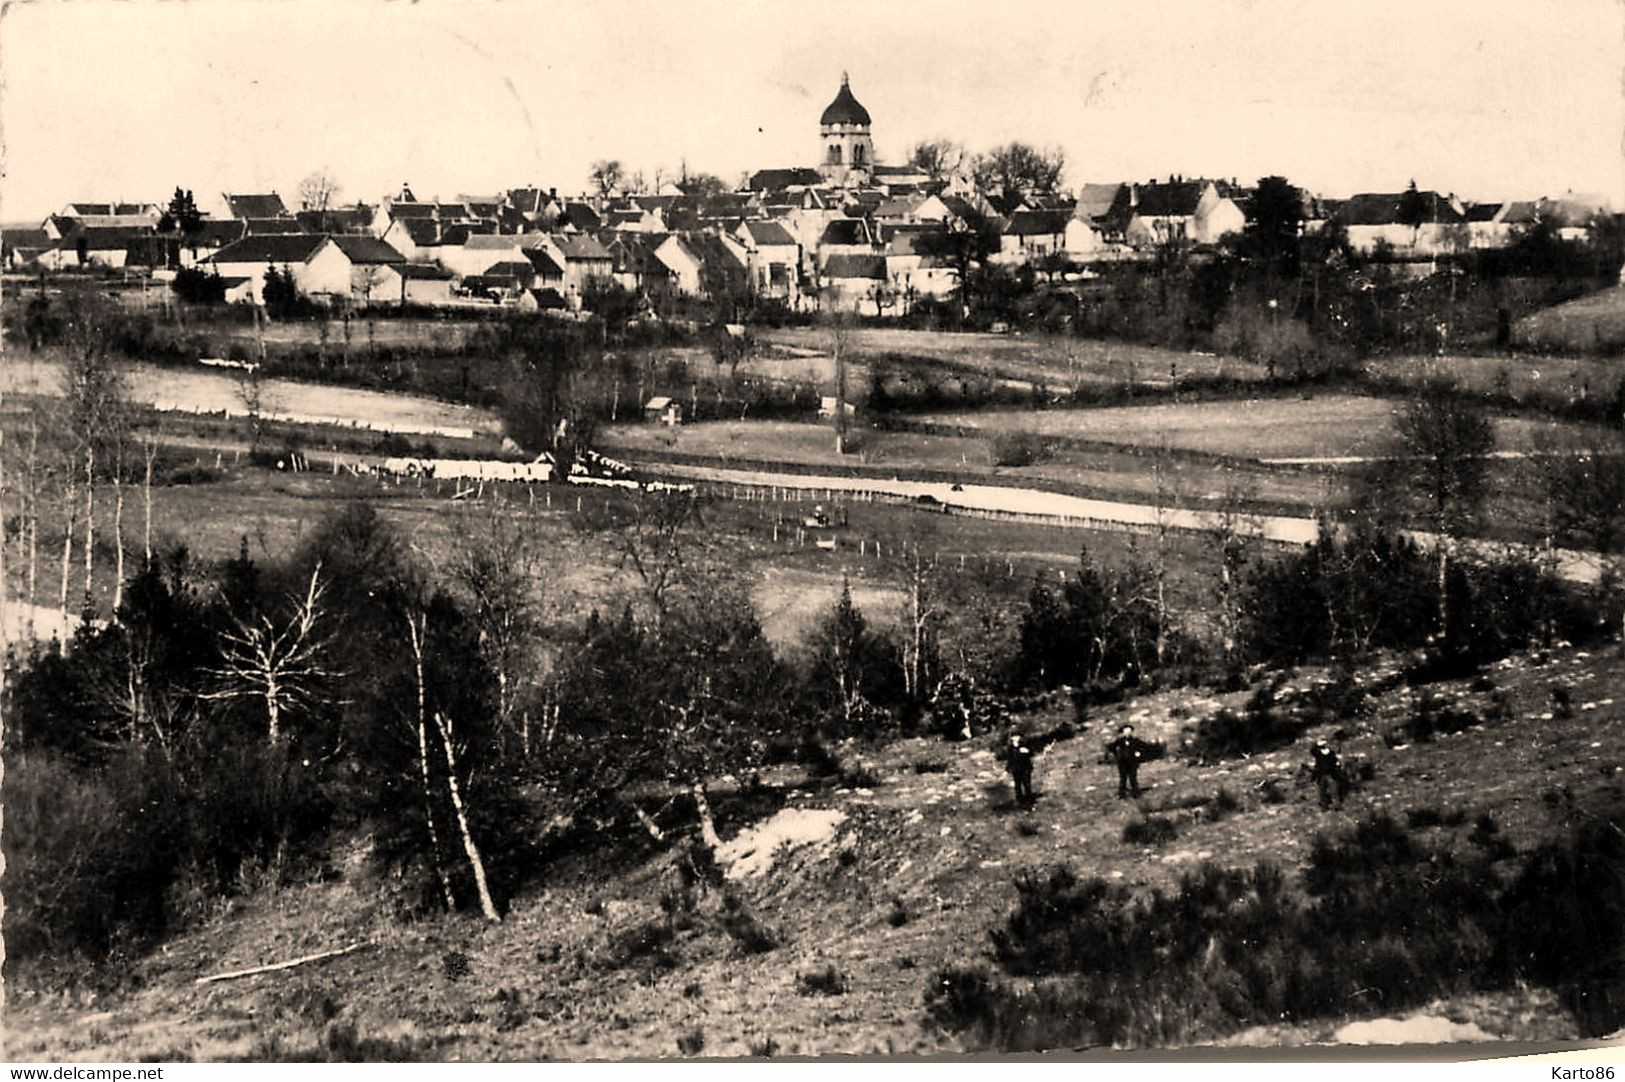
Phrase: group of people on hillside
[1127,751]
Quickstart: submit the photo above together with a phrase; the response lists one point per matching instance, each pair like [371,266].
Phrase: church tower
[848,151]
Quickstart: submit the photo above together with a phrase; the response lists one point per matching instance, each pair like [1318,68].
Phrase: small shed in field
[663,410]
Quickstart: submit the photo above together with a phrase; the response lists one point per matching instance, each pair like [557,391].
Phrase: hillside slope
[893,881]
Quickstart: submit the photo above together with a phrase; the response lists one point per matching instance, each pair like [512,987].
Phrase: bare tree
[1437,466]
[95,401]
[417,629]
[1584,490]
[280,662]
[499,568]
[652,534]
[443,725]
[839,331]
[318,192]
[938,159]
[606,176]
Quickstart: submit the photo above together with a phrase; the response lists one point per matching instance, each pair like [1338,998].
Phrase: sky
[1485,98]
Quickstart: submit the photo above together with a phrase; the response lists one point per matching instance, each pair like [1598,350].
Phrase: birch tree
[281,662]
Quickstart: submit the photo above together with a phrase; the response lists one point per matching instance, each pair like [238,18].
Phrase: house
[1083,235]
[268,205]
[472,253]
[683,264]
[347,267]
[845,236]
[663,410]
[586,262]
[723,262]
[1031,235]
[1486,225]
[774,264]
[1196,211]
[855,282]
[21,246]
[1373,218]
[93,246]
[637,267]
[519,271]
[353,219]
[255,226]
[577,218]
[413,283]
[779,180]
[545,272]
[250,257]
[542,300]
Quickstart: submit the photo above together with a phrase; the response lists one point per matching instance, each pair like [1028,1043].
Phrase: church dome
[845,109]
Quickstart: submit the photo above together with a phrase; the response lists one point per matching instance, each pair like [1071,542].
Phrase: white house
[350,268]
[774,258]
[414,283]
[250,257]
[683,263]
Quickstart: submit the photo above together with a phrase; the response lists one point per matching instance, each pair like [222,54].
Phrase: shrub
[1152,830]
[898,915]
[1017,449]
[1381,920]
[1422,818]
[742,926]
[692,1043]
[648,944]
[828,981]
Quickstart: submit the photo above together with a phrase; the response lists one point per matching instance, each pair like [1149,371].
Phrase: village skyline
[1504,106]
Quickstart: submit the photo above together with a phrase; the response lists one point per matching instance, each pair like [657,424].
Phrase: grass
[1318,426]
[1594,322]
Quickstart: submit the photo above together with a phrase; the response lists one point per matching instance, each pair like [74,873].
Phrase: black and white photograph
[716,530]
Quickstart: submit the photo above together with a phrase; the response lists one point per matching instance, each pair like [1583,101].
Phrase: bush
[828,981]
[648,945]
[1019,449]
[1380,920]
[1152,830]
[742,926]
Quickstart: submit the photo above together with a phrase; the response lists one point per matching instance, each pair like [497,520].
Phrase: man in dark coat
[1326,768]
[1018,760]
[1128,752]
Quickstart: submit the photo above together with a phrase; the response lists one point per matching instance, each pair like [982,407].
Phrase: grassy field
[1560,378]
[917,871]
[1055,361]
[1595,322]
[208,390]
[792,582]
[1081,470]
[1325,426]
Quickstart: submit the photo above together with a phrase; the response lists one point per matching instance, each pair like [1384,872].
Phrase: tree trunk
[33,523]
[118,542]
[1444,598]
[487,906]
[90,522]
[70,509]
[708,824]
[273,709]
[423,767]
[152,451]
